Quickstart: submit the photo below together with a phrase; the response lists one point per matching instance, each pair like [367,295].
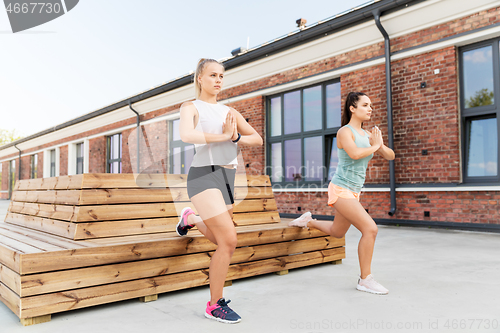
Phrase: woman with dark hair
[216,130]
[355,149]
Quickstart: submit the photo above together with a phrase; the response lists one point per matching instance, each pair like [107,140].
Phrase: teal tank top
[351,174]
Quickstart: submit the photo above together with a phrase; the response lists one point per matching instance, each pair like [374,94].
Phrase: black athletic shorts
[212,176]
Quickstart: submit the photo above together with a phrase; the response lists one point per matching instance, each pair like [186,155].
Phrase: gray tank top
[210,120]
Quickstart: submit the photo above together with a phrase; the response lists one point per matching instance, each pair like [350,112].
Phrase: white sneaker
[301,221]
[369,285]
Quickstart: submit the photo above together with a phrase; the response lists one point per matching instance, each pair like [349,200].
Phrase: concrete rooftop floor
[439,281]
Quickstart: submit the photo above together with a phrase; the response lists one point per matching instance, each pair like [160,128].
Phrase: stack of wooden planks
[77,241]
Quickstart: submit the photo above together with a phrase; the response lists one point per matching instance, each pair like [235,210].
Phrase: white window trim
[58,161]
[72,158]
[46,163]
[86,155]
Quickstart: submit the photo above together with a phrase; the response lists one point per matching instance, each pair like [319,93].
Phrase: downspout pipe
[138,138]
[19,176]
[388,84]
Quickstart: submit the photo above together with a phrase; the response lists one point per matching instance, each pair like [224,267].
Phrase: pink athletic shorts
[335,192]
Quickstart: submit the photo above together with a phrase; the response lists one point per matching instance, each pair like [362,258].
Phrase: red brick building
[445,76]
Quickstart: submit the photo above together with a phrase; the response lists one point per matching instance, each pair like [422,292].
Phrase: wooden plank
[63,301]
[52,183]
[10,257]
[106,180]
[10,278]
[95,180]
[54,227]
[103,229]
[242,219]
[270,229]
[149,298]
[124,227]
[17,246]
[57,212]
[63,197]
[125,211]
[9,298]
[125,196]
[31,241]
[152,247]
[35,320]
[44,283]
[61,242]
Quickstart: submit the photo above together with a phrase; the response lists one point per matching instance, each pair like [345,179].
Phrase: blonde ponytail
[199,70]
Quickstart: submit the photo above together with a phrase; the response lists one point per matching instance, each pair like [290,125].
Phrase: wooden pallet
[78,241]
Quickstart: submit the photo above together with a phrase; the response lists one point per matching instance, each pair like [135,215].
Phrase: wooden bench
[77,241]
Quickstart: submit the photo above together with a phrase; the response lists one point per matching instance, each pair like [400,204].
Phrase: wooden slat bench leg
[283,272]
[228,283]
[149,298]
[336,262]
[35,320]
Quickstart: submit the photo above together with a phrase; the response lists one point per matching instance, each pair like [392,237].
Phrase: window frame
[109,160]
[80,159]
[467,115]
[52,164]
[177,144]
[327,134]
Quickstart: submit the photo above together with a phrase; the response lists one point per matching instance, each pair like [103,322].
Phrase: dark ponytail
[351,100]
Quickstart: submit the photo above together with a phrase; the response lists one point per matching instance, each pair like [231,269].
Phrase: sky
[102,52]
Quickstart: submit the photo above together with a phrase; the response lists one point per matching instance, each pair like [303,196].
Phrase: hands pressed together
[230,127]
[376,137]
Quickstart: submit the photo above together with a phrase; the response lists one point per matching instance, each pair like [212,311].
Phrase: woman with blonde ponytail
[216,130]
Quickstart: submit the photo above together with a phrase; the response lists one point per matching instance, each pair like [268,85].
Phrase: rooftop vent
[238,50]
[301,23]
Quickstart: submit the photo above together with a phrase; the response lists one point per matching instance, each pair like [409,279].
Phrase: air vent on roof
[238,50]
[301,23]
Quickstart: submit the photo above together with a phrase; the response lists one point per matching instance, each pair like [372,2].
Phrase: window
[53,163]
[301,135]
[181,153]
[480,94]
[79,158]
[34,166]
[114,154]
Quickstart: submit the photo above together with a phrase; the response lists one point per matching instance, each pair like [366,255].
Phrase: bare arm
[345,141]
[249,136]
[386,152]
[190,135]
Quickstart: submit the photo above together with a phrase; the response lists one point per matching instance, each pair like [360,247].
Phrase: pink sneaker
[369,285]
[301,221]
[183,227]
[221,312]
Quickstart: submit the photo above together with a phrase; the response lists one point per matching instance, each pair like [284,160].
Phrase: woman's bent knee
[337,233]
[228,244]
[372,231]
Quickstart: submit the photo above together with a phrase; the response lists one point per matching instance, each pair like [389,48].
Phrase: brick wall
[97,155]
[63,161]
[5,180]
[253,158]
[40,165]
